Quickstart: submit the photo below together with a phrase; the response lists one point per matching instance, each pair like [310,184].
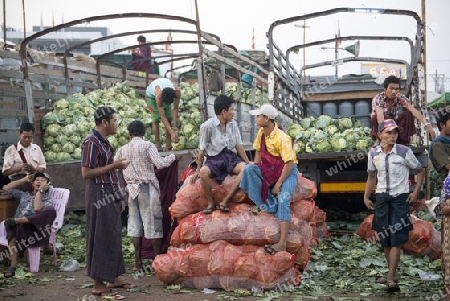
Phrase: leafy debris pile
[338,266]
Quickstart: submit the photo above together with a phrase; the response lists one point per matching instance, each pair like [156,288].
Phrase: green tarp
[442,100]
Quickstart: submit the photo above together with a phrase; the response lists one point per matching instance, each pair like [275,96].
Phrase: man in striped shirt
[104,203]
[145,212]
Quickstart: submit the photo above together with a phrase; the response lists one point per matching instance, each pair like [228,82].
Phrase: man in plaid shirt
[390,104]
[145,212]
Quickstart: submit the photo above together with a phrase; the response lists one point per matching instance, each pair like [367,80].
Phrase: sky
[234,21]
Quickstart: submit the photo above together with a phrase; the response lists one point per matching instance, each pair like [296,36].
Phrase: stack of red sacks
[424,239]
[225,250]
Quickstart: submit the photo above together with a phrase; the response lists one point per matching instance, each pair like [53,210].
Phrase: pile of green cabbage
[246,93]
[325,134]
[72,119]
[190,117]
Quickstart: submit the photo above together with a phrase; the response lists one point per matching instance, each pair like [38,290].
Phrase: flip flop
[392,287]
[10,272]
[208,210]
[383,280]
[125,285]
[269,250]
[224,209]
[108,293]
[255,210]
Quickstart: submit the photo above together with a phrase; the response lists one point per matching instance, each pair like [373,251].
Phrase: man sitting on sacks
[221,144]
[32,225]
[271,181]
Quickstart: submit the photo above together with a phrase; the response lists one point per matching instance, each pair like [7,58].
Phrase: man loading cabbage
[161,94]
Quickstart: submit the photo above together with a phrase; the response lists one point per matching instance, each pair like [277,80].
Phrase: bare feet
[99,289]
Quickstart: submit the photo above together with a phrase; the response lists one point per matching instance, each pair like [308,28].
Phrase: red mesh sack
[240,227]
[303,209]
[417,206]
[305,189]
[320,230]
[434,250]
[225,266]
[191,198]
[365,230]
[189,170]
[319,216]
[419,237]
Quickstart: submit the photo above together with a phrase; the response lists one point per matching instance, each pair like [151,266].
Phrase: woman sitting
[32,225]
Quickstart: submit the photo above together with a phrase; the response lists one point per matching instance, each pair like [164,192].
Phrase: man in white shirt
[221,146]
[388,166]
[23,157]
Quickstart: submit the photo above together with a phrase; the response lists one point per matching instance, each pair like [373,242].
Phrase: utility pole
[4,24]
[304,42]
[24,25]
[424,52]
[336,51]
[438,78]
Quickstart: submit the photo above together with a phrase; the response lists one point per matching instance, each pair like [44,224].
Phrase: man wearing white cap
[388,166]
[271,181]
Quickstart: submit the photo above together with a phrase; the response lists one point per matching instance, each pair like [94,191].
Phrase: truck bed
[346,155]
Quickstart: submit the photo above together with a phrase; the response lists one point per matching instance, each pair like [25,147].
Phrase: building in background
[59,41]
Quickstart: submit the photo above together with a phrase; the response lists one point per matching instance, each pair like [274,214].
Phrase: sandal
[107,293]
[125,285]
[208,210]
[269,249]
[9,223]
[392,287]
[255,210]
[11,272]
[383,280]
[224,209]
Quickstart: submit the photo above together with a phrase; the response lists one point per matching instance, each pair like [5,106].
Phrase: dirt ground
[51,284]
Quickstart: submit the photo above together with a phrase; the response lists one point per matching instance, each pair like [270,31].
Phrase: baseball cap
[266,110]
[388,125]
[43,175]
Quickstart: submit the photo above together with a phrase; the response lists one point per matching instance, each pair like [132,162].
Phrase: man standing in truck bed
[390,104]
[163,101]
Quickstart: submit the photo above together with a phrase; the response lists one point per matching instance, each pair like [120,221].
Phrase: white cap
[266,110]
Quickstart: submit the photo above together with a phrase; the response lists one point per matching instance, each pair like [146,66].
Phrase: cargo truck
[340,176]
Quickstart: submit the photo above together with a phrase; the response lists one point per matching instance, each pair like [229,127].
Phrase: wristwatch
[41,191]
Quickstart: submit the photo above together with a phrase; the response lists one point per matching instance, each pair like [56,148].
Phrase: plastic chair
[60,198]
